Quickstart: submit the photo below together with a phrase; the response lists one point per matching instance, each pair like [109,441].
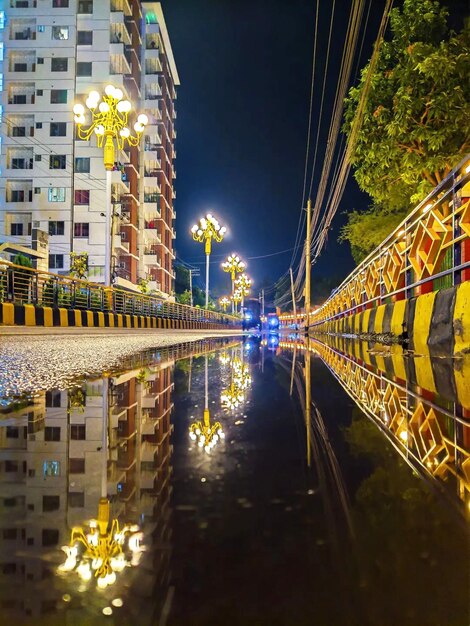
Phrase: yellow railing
[23,285]
[429,250]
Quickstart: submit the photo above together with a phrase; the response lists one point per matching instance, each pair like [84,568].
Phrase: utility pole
[307,266]
[262,291]
[293,296]
[191,285]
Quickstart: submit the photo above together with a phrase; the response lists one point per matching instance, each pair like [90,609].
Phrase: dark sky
[245,70]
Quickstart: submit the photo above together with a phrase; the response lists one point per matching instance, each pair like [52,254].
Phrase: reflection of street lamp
[208,228]
[109,124]
[240,381]
[224,302]
[206,434]
[234,265]
[102,546]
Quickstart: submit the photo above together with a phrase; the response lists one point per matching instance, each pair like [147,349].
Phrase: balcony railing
[151,197]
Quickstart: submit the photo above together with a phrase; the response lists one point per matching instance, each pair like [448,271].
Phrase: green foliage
[143,285]
[184,298]
[181,279]
[416,124]
[22,260]
[367,229]
[79,264]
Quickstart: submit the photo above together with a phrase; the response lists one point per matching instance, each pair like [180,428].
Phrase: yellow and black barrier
[31,315]
[436,323]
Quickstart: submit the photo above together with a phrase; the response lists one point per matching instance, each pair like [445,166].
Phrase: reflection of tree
[411,547]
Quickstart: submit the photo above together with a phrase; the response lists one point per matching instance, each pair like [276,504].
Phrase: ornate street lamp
[243,285]
[234,265]
[109,122]
[207,229]
[206,434]
[224,302]
[236,298]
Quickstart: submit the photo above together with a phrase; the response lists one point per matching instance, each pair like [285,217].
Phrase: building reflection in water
[430,430]
[73,462]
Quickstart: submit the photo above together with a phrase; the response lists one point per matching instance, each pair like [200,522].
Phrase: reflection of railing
[21,285]
[428,435]
[429,250]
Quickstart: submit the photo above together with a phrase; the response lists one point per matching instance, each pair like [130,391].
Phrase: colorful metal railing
[429,250]
[433,437]
[23,285]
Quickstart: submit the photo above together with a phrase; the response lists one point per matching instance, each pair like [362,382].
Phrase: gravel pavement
[33,360]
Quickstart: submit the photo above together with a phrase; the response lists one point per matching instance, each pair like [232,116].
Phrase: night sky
[245,71]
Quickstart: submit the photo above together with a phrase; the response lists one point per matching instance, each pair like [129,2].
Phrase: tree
[184,298]
[181,279]
[416,124]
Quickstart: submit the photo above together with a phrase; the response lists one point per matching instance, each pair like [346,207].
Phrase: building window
[50,503]
[51,468]
[85,6]
[82,165]
[58,96]
[59,64]
[77,466]
[12,432]
[52,433]
[56,228]
[81,229]
[17,195]
[82,196]
[53,399]
[60,4]
[78,431]
[84,68]
[56,261]
[11,466]
[60,32]
[40,60]
[9,533]
[16,230]
[85,37]
[50,536]
[76,499]
[58,129]
[57,162]
[56,194]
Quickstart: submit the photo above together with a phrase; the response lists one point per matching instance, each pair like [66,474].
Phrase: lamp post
[207,229]
[234,265]
[243,285]
[236,298]
[224,302]
[109,122]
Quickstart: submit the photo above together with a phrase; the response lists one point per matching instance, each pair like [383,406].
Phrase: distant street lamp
[236,298]
[224,302]
[109,122]
[204,231]
[234,265]
[243,285]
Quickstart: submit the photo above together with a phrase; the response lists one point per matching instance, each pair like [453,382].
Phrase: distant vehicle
[251,314]
[272,322]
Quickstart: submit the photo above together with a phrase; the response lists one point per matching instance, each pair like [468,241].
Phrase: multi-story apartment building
[52,53]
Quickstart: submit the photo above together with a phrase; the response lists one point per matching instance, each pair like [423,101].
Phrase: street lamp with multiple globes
[234,265]
[206,434]
[243,285]
[224,302]
[109,122]
[236,298]
[207,229]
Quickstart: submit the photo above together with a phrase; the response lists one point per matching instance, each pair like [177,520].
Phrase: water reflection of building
[51,459]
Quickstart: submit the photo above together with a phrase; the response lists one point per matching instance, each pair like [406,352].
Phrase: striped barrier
[437,323]
[31,315]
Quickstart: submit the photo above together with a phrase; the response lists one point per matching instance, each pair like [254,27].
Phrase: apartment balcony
[22,33]
[152,146]
[148,451]
[120,244]
[153,66]
[173,233]
[148,400]
[22,98]
[147,478]
[148,426]
[121,6]
[154,285]
[118,33]
[23,4]
[119,179]
[173,195]
[151,258]
[120,59]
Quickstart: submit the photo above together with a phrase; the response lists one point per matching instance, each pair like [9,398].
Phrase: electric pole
[293,296]
[307,266]
[191,285]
